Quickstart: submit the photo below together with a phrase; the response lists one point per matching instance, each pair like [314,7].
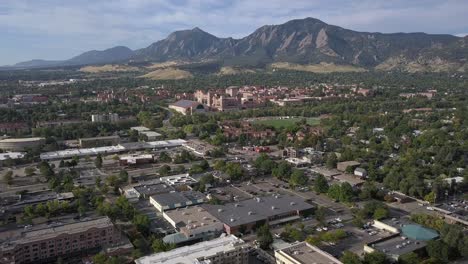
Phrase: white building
[111,117]
[226,249]
[303,253]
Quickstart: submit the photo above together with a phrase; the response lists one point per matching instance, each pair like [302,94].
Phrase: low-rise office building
[304,253]
[173,200]
[133,160]
[193,224]
[405,237]
[21,144]
[223,250]
[47,242]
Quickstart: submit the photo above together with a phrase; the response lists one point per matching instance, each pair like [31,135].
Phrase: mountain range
[301,41]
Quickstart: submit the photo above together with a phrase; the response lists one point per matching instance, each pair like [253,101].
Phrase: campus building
[187,107]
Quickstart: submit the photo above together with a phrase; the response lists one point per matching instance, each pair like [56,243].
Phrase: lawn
[278,123]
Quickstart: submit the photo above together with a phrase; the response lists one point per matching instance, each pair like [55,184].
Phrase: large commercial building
[45,243]
[304,253]
[245,216]
[21,144]
[223,250]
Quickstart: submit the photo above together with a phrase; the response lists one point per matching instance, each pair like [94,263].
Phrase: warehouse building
[173,200]
[245,216]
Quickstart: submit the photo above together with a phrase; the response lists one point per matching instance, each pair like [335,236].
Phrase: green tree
[164,157]
[164,170]
[321,184]
[334,192]
[8,178]
[159,246]
[346,192]
[264,237]
[409,258]
[331,161]
[142,223]
[437,249]
[381,213]
[320,214]
[430,197]
[29,171]
[375,257]
[282,171]
[98,161]
[350,258]
[298,178]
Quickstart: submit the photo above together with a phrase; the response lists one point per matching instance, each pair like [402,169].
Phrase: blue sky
[60,29]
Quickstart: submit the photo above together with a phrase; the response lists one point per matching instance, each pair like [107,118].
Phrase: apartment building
[46,242]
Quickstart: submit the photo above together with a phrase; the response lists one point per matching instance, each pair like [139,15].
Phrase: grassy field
[317,68]
[109,68]
[278,123]
[168,74]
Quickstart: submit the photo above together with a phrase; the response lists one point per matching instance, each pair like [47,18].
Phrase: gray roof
[256,209]
[167,199]
[150,189]
[186,103]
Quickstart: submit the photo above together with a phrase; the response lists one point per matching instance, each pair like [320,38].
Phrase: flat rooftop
[171,198]
[178,179]
[150,189]
[99,138]
[43,232]
[193,218]
[325,171]
[190,254]
[305,253]
[397,246]
[140,128]
[256,209]
[19,140]
[69,153]
[351,179]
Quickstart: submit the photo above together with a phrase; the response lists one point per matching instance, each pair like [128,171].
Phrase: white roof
[151,133]
[140,128]
[11,155]
[69,153]
[190,254]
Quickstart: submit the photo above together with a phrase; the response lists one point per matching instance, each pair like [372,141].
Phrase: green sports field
[278,123]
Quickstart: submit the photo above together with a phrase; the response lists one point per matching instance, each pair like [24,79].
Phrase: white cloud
[99,24]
